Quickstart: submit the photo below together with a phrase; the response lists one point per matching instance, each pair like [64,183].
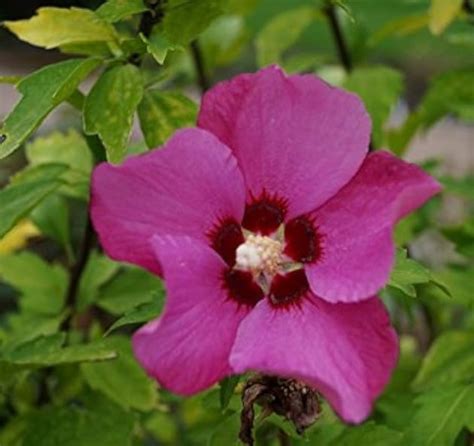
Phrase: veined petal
[356,225]
[345,351]
[187,348]
[296,137]
[182,189]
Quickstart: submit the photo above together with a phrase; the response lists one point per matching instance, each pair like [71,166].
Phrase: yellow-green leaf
[110,106]
[53,27]
[41,92]
[442,13]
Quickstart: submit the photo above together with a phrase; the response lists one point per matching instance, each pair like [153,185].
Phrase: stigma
[259,254]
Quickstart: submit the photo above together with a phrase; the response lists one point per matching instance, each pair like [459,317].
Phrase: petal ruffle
[356,227]
[346,351]
[187,348]
[295,137]
[182,189]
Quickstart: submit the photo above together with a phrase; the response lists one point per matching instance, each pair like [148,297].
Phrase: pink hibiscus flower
[272,228]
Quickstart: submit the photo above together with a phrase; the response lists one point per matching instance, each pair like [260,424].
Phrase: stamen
[259,254]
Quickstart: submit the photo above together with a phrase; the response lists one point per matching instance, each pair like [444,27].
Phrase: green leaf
[128,290]
[41,92]
[407,273]
[442,414]
[49,351]
[122,380]
[68,148]
[43,288]
[184,20]
[161,113]
[110,106]
[379,88]
[52,218]
[115,10]
[450,360]
[442,13]
[142,313]
[18,199]
[371,434]
[281,33]
[98,270]
[53,27]
[227,387]
[94,421]
[158,45]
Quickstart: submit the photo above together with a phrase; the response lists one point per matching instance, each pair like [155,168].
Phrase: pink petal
[187,348]
[184,188]
[294,137]
[346,351]
[356,227]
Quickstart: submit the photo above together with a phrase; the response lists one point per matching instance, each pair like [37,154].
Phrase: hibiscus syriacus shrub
[226,238]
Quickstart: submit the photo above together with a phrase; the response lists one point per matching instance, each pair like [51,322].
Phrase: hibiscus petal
[345,351]
[187,348]
[356,227]
[183,189]
[295,137]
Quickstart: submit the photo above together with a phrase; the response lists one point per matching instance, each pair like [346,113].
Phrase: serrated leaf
[52,27]
[94,421]
[371,434]
[70,149]
[115,10]
[17,237]
[110,106]
[450,360]
[408,272]
[128,290]
[158,45]
[122,379]
[459,283]
[41,92]
[281,33]
[17,200]
[49,351]
[184,20]
[379,88]
[43,288]
[143,313]
[442,13]
[443,412]
[161,113]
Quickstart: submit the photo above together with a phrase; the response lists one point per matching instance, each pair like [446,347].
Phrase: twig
[336,30]
[341,45]
[87,245]
[203,80]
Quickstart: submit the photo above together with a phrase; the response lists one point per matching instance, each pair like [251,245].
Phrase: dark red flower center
[246,280]
[288,288]
[264,215]
[302,240]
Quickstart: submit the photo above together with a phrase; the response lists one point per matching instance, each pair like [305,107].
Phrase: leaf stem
[203,80]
